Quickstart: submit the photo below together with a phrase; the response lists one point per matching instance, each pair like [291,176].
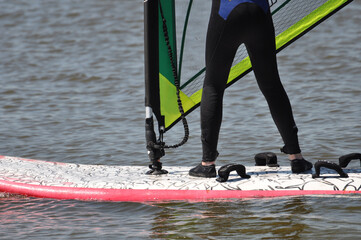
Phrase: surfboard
[44,179]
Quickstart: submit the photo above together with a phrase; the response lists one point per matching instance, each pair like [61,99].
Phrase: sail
[186,26]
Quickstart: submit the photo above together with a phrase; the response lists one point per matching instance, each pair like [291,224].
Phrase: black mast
[151,53]
[152,99]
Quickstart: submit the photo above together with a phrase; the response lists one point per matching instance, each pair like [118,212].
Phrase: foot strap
[225,170]
[266,158]
[329,165]
[346,159]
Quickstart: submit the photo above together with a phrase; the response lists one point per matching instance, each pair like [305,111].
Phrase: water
[71,90]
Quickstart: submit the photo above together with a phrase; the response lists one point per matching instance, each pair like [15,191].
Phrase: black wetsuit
[231,24]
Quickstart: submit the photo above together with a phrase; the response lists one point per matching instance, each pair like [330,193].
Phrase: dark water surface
[71,90]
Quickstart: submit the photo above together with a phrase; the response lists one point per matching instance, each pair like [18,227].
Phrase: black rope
[177,85]
[272,2]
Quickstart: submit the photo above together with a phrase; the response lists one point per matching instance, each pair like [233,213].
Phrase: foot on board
[300,165]
[203,171]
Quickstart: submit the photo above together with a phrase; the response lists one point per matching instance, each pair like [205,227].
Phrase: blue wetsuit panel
[227,6]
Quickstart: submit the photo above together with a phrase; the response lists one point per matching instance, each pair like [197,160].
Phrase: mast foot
[156,169]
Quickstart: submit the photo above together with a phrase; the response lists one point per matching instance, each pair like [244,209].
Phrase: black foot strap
[156,169]
[266,158]
[225,170]
[329,165]
[346,159]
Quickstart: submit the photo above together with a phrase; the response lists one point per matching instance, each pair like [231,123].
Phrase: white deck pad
[44,179]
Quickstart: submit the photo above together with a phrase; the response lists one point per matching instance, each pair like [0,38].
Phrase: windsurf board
[43,179]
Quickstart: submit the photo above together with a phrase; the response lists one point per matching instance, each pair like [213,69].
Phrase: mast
[152,98]
[151,56]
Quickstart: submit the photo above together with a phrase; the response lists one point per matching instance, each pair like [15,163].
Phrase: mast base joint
[156,169]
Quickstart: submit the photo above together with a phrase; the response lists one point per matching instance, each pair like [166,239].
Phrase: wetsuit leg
[261,47]
[220,51]
[247,24]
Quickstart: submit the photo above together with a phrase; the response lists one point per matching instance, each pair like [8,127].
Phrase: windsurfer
[233,22]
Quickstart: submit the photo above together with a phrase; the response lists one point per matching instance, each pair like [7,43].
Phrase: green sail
[292,19]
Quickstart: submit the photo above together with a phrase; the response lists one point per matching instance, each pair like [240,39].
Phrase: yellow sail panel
[168,101]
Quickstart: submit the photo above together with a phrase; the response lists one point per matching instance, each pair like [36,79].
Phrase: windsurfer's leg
[221,47]
[261,48]
[220,51]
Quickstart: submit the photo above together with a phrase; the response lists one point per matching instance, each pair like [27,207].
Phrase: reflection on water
[268,218]
[249,218]
[71,90]
[285,218]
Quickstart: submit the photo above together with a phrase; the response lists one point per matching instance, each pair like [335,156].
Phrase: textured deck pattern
[34,172]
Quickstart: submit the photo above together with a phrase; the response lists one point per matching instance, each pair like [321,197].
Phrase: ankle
[208,163]
[295,156]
